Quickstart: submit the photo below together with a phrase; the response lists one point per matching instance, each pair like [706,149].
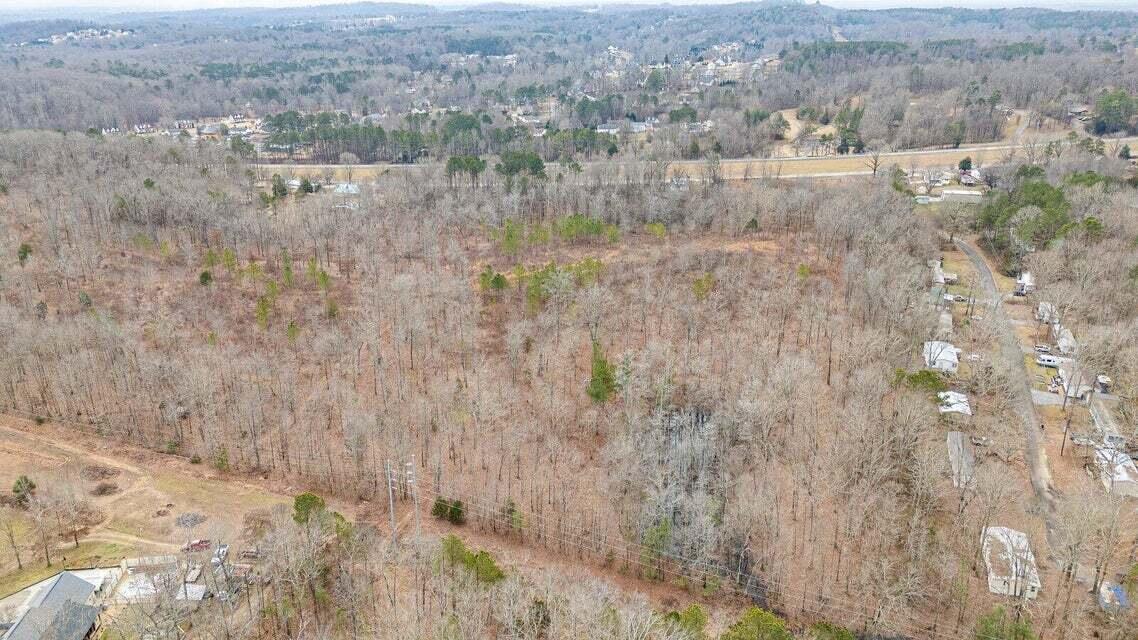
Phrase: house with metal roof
[941,356]
[62,610]
[1010,563]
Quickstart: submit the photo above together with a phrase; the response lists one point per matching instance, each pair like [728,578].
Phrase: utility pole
[387,470]
[414,496]
[1066,427]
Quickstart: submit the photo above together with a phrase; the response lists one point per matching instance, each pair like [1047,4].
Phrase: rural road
[731,168]
[1012,354]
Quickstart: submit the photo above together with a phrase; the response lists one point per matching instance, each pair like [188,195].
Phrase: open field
[138,518]
[732,168]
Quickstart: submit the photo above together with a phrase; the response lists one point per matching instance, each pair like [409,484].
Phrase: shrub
[923,380]
[457,513]
[304,505]
[602,382]
[23,490]
[105,489]
[757,624]
[827,631]
[441,508]
[998,625]
[480,563]
[692,620]
[23,253]
[452,511]
[702,286]
[221,459]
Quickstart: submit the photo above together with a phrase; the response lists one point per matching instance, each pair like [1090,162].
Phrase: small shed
[1010,563]
[961,458]
[941,356]
[1045,312]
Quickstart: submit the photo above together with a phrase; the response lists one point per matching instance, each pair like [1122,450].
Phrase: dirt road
[1012,354]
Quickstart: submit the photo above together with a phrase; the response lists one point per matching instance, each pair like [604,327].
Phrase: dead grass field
[732,169]
[139,518]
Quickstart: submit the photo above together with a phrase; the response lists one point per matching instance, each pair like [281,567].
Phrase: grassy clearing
[89,554]
[217,495]
[1037,374]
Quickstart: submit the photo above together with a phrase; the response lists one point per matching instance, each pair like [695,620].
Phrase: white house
[962,195]
[1064,339]
[940,276]
[1010,563]
[941,356]
[954,402]
[1117,471]
[1074,381]
[1025,284]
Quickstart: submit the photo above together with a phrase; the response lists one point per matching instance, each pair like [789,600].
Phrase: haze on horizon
[44,6]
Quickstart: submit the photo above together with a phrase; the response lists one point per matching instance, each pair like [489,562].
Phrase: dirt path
[106,535]
[529,557]
[1012,354]
[78,452]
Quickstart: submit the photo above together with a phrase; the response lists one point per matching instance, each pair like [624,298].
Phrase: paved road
[1012,354]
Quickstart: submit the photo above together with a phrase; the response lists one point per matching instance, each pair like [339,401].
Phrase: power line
[789,594]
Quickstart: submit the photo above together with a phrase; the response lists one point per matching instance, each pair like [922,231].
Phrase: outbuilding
[961,458]
[954,402]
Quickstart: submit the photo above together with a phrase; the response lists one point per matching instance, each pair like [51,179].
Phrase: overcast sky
[164,5]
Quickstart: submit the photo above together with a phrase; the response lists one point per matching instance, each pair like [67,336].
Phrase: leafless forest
[605,389]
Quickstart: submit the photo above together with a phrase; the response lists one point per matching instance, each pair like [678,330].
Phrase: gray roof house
[61,611]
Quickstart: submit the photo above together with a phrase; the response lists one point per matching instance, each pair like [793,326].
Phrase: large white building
[1010,563]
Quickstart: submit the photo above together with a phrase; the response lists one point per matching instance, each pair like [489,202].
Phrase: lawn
[1037,374]
[216,495]
[89,554]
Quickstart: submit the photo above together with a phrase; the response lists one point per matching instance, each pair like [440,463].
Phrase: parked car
[1042,348]
[1045,360]
[196,545]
